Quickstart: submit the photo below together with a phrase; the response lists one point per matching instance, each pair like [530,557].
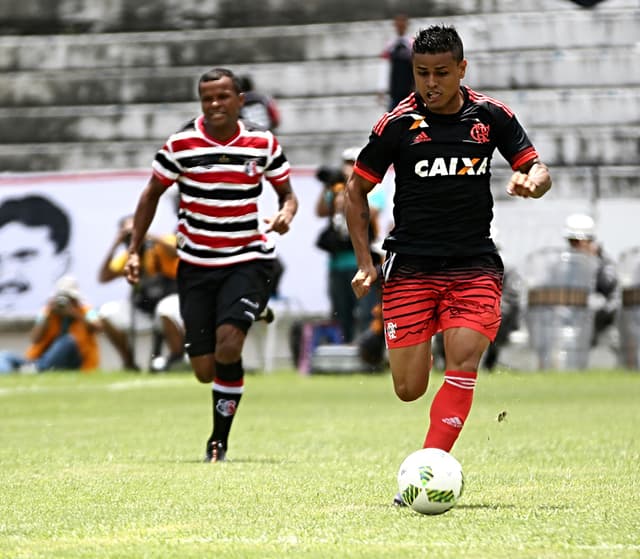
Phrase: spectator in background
[352,315]
[259,109]
[34,252]
[153,304]
[63,337]
[396,72]
[580,233]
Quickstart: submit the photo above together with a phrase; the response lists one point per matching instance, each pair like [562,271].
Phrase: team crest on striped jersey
[251,168]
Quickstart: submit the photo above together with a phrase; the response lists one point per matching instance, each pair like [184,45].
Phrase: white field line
[113,386]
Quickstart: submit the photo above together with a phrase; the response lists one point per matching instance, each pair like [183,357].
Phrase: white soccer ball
[430,481]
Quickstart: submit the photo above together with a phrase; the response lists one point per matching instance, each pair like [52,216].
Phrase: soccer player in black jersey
[442,271]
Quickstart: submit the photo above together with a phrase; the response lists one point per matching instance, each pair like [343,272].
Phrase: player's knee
[204,376]
[407,394]
[228,353]
[470,363]
[204,368]
[409,390]
[229,342]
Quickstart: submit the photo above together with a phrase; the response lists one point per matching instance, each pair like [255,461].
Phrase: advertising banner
[65,223]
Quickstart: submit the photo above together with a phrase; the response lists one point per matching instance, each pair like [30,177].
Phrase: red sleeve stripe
[479,97]
[526,155]
[278,179]
[404,107]
[367,174]
[275,146]
[164,180]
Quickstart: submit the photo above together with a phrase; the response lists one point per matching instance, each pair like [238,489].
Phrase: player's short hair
[218,73]
[437,39]
[37,211]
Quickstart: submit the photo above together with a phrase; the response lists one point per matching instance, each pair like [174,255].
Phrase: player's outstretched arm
[530,181]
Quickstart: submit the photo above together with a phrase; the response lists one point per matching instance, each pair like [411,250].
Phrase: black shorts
[209,297]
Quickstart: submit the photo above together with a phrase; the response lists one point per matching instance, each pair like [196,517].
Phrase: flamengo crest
[480,133]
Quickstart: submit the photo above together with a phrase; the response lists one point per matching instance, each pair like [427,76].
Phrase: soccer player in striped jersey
[226,262]
[442,271]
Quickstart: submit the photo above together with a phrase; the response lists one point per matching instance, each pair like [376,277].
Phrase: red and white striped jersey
[219,189]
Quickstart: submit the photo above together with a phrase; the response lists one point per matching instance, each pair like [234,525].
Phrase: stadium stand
[99,84]
[96,85]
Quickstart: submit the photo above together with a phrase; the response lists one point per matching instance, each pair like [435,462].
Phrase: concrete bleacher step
[59,156]
[570,109]
[128,91]
[78,16]
[589,145]
[494,32]
[536,69]
[581,182]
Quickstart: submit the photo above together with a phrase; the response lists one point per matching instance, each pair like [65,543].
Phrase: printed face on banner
[31,260]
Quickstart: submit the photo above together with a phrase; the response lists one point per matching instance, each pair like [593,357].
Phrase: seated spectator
[63,337]
[580,234]
[153,304]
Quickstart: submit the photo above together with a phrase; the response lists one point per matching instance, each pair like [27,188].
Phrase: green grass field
[108,465]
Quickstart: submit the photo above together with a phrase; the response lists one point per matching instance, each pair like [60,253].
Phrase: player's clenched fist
[532,184]
[363,280]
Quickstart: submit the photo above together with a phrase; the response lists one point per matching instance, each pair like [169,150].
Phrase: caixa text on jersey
[447,166]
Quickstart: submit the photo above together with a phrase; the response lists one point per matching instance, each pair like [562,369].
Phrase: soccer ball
[430,481]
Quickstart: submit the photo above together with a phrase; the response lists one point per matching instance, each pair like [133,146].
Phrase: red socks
[450,408]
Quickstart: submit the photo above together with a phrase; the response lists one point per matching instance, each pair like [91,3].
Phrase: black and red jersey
[442,203]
